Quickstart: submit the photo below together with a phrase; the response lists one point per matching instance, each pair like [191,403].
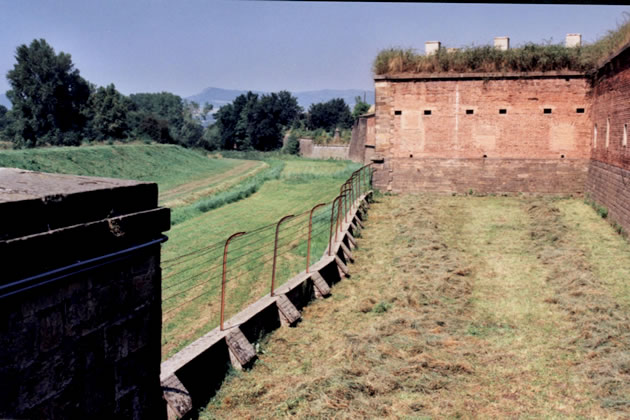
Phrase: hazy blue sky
[183,46]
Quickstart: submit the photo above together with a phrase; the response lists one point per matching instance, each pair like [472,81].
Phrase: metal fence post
[275,252]
[310,231]
[225,253]
[332,214]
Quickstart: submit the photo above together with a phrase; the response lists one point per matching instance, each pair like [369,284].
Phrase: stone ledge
[35,202]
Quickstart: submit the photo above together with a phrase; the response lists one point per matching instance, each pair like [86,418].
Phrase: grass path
[460,307]
[193,190]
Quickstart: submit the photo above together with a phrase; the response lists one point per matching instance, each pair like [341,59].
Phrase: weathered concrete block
[322,289]
[242,353]
[289,315]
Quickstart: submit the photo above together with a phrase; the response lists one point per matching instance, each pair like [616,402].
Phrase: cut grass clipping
[487,307]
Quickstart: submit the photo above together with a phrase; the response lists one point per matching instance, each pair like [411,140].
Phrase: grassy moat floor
[474,307]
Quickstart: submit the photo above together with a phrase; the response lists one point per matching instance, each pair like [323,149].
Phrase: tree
[4,118]
[293,145]
[235,122]
[108,114]
[329,115]
[290,111]
[253,122]
[360,108]
[170,111]
[48,96]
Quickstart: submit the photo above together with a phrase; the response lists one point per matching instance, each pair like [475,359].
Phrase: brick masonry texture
[427,127]
[609,185]
[608,180]
[483,175]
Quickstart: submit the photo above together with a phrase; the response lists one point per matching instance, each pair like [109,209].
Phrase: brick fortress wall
[482,132]
[609,173]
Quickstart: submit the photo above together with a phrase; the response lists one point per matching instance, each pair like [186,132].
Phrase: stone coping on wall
[51,221]
[34,202]
[396,77]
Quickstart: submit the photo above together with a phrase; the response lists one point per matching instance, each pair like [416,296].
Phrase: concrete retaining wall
[313,151]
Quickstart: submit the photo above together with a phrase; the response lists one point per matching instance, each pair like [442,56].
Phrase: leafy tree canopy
[48,96]
[256,122]
[329,115]
[360,107]
[108,114]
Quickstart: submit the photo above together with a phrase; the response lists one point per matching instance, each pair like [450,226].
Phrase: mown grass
[470,307]
[298,187]
[529,57]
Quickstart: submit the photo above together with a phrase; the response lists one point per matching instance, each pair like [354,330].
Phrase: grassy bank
[166,165]
[469,307]
[298,186]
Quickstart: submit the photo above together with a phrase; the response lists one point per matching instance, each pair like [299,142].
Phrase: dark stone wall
[80,304]
[87,346]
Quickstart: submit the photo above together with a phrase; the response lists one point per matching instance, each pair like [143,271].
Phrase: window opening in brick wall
[503,111]
[595,137]
[470,112]
[427,112]
[607,132]
[580,110]
[485,156]
[397,112]
[624,141]
[561,156]
[547,111]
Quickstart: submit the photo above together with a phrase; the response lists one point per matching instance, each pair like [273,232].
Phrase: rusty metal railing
[290,233]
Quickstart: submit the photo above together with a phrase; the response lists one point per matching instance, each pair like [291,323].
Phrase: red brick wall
[611,102]
[492,175]
[406,136]
[609,173]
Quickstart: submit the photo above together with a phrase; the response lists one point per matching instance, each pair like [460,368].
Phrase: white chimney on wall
[573,40]
[502,43]
[431,47]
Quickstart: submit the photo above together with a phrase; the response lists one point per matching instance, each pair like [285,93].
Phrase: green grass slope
[167,165]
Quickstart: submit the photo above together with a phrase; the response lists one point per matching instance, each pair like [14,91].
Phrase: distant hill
[5,101]
[219,97]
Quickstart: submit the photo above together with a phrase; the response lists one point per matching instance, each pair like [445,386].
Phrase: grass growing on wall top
[530,57]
